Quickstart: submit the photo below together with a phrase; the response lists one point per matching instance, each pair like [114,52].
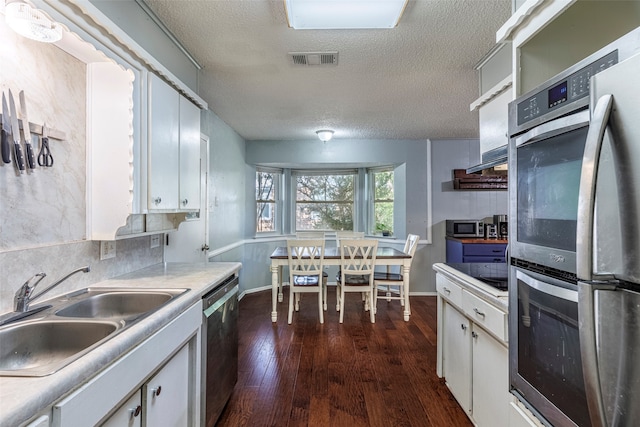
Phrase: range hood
[491,158]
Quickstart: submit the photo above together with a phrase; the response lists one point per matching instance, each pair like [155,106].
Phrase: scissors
[44,156]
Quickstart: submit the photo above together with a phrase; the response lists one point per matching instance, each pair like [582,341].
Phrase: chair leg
[401,288]
[372,309]
[338,297]
[320,304]
[297,302]
[290,317]
[388,293]
[341,304]
[324,292]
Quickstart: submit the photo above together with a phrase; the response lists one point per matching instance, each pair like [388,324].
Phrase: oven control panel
[563,91]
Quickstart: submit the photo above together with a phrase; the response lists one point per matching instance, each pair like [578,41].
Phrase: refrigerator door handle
[587,191]
[589,351]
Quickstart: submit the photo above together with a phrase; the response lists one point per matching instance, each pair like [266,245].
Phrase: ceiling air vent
[314,58]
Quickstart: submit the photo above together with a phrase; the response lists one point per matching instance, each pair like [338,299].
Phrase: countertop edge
[22,398]
[499,299]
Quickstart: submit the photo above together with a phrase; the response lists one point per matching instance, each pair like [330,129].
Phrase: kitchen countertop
[23,397]
[477,240]
[498,298]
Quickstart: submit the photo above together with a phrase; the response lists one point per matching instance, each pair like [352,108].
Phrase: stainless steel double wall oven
[566,229]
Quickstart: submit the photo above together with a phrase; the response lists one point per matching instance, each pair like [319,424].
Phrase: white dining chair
[357,264]
[305,259]
[392,282]
[325,275]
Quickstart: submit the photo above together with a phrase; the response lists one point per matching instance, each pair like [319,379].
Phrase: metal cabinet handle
[204,247]
[446,291]
[478,312]
[156,391]
[185,202]
[463,326]
[134,412]
[474,335]
[157,200]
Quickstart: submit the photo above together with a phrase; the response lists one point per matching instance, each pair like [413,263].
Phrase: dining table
[385,256]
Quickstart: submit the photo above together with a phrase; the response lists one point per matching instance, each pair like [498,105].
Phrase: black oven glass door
[548,349]
[548,185]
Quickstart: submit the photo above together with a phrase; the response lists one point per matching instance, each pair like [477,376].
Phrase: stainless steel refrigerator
[608,248]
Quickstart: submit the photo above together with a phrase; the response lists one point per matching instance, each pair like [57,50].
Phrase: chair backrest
[358,256]
[411,244]
[306,257]
[348,234]
[310,234]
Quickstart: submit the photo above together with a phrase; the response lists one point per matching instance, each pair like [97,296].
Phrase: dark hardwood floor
[350,374]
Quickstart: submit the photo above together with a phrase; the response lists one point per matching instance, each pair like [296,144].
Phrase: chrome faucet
[24,296]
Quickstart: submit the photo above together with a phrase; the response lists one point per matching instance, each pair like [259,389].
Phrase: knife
[15,130]
[31,158]
[6,151]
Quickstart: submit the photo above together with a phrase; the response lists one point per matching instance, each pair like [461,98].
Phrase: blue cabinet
[459,251]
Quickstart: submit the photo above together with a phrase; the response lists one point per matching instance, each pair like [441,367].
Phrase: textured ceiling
[415,81]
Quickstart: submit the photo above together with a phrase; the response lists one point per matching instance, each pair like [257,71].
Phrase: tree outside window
[382,191]
[325,201]
[266,197]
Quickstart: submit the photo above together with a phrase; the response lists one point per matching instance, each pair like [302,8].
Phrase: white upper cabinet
[494,74]
[189,155]
[550,36]
[173,149]
[164,145]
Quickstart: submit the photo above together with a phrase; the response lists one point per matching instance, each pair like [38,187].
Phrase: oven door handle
[589,352]
[587,191]
[554,128]
[548,288]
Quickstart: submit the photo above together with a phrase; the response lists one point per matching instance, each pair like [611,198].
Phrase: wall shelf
[477,181]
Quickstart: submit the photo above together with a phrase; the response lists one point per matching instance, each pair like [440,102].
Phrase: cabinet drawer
[484,259]
[484,249]
[485,315]
[449,290]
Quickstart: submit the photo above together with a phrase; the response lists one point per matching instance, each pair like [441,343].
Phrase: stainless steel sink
[116,304]
[69,326]
[40,347]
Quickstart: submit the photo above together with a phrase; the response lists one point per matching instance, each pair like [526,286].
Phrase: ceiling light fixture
[31,23]
[343,14]
[325,135]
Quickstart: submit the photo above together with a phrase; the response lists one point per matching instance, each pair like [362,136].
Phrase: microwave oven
[465,228]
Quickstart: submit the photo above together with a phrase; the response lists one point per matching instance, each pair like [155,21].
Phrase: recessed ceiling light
[343,14]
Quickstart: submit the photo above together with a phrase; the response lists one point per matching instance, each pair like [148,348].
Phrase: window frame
[371,199]
[276,202]
[324,172]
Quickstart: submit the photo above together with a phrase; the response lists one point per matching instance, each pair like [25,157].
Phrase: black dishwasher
[219,348]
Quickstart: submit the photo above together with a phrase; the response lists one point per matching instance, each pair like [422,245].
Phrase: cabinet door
[128,415]
[456,355]
[166,394]
[164,159]
[491,395]
[189,155]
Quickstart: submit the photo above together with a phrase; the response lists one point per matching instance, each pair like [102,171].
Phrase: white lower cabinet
[474,363]
[457,356]
[520,417]
[128,415]
[490,380]
[161,375]
[166,394]
[166,398]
